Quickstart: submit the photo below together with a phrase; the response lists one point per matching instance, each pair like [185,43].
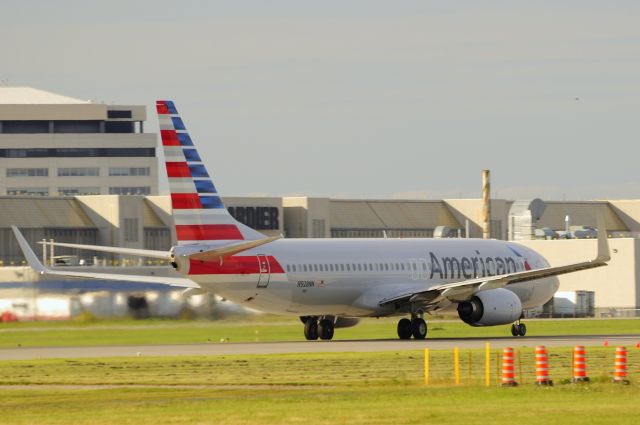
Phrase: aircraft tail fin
[198,211]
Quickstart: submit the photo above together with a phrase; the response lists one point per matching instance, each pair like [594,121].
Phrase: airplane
[332,283]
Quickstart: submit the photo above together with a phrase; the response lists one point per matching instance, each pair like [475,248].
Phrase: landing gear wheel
[325,329]
[514,330]
[311,329]
[404,328]
[419,328]
[522,329]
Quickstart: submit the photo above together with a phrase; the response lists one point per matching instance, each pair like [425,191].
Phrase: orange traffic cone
[508,370]
[620,373]
[542,366]
[579,364]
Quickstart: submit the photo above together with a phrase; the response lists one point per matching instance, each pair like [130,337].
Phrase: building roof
[31,96]
[391,214]
[34,212]
[581,213]
[149,217]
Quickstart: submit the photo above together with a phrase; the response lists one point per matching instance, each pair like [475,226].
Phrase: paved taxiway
[227,348]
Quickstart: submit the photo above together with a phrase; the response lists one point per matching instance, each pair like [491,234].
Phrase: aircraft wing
[464,290]
[33,261]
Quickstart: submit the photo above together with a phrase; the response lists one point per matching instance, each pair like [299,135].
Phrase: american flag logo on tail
[198,211]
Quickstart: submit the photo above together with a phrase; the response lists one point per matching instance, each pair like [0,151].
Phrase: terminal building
[54,145]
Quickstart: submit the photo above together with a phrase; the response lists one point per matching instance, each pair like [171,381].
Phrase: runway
[226,348]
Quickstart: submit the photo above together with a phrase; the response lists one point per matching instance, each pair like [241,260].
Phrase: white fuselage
[353,277]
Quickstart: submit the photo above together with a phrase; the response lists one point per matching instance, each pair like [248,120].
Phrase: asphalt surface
[226,348]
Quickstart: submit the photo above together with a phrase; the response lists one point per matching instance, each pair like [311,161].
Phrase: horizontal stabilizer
[164,255]
[35,263]
[225,251]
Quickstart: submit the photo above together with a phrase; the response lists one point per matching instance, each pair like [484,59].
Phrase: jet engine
[489,308]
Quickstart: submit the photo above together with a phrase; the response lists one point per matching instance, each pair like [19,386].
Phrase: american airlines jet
[330,283]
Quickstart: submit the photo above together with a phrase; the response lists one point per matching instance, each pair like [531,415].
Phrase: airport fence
[474,367]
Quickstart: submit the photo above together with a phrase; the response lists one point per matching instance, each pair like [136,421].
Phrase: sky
[361,98]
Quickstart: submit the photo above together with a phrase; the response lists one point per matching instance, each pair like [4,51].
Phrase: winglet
[604,254]
[31,257]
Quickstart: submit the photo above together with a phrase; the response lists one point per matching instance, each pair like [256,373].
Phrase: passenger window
[359,267]
[304,266]
[348,268]
[294,267]
[341,267]
[413,266]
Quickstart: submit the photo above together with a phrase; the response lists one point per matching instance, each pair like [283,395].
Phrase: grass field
[336,388]
[268,328]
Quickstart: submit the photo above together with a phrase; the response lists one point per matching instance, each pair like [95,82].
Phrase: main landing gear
[518,329]
[415,327]
[314,328]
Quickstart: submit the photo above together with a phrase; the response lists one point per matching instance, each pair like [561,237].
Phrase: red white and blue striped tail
[198,211]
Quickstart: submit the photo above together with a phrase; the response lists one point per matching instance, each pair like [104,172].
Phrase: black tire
[326,329]
[522,329]
[404,328]
[311,329]
[419,328]
[514,330]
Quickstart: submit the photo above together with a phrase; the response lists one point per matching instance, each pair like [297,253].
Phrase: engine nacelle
[489,308]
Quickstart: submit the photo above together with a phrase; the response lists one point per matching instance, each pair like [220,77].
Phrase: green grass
[268,328]
[330,388]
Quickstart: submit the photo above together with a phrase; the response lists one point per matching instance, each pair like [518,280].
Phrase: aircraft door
[265,271]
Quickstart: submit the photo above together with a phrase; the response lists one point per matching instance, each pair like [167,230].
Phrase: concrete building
[54,145]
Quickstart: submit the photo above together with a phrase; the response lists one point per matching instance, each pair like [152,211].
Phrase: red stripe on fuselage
[185,201]
[207,232]
[169,138]
[234,265]
[177,169]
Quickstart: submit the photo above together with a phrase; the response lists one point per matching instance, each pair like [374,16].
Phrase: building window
[77,152]
[119,127]
[25,127]
[78,172]
[72,126]
[141,190]
[31,191]
[129,171]
[27,172]
[131,229]
[118,114]
[73,191]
